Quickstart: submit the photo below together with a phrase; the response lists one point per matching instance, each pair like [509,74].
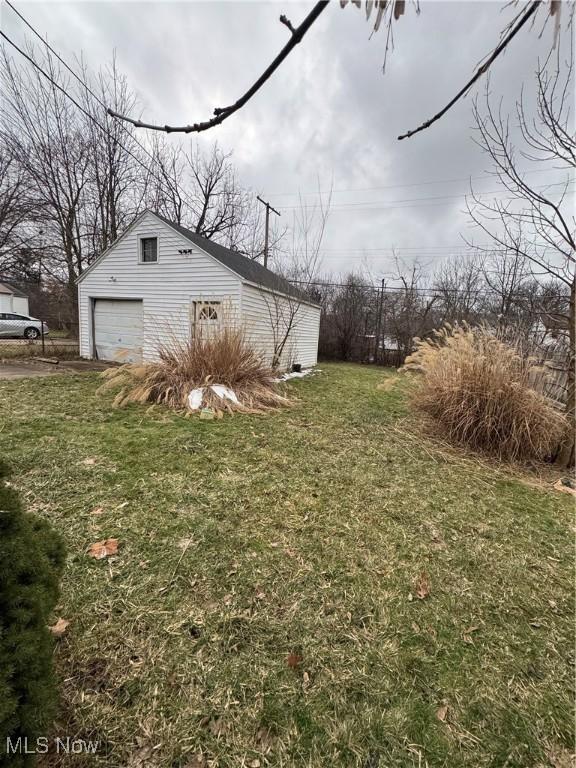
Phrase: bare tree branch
[507,39]
[223,113]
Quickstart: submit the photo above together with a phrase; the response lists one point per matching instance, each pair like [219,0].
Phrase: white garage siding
[20,305]
[166,288]
[262,311]
[17,304]
[118,330]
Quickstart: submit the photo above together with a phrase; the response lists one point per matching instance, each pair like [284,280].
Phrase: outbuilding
[160,281]
[12,299]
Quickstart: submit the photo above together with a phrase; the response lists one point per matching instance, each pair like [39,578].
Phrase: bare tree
[15,208]
[408,309]
[459,284]
[117,186]
[164,189]
[536,226]
[299,269]
[200,190]
[78,167]
[351,307]
[42,131]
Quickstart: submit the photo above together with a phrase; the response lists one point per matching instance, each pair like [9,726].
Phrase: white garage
[118,330]
[160,282]
[12,299]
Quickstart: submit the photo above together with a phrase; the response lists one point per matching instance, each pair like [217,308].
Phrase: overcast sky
[328,114]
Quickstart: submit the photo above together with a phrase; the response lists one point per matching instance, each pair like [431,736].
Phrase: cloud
[328,114]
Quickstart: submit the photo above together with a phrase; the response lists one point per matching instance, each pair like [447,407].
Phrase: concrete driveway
[33,368]
[27,370]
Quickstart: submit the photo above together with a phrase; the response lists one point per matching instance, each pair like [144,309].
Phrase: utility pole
[379,320]
[41,237]
[268,209]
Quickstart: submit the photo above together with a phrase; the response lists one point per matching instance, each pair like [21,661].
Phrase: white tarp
[196,396]
[195,399]
[225,393]
[298,374]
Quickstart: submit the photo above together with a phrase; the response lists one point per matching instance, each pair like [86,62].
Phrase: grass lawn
[264,606]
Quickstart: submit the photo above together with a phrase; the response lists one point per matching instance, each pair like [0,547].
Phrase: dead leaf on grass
[102,549]
[441,712]
[59,628]
[422,586]
[294,660]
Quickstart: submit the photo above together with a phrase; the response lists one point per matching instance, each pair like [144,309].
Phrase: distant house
[12,299]
[159,281]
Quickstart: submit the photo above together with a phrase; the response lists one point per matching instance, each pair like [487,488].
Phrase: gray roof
[6,287]
[246,268]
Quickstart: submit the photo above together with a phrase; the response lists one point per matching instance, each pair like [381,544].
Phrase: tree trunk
[566,455]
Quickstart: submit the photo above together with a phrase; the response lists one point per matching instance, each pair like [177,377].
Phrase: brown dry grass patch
[222,357]
[479,392]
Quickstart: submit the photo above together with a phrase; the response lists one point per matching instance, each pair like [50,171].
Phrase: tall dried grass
[479,391]
[221,357]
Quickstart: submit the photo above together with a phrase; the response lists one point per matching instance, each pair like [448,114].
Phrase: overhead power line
[375,204]
[429,292]
[402,186]
[103,128]
[418,248]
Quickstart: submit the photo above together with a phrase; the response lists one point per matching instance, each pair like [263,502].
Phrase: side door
[207,317]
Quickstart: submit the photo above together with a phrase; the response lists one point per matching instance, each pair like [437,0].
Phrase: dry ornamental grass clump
[221,357]
[479,392]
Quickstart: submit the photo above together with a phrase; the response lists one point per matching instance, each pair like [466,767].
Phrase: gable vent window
[148,250]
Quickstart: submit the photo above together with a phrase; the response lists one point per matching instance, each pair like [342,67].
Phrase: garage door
[118,330]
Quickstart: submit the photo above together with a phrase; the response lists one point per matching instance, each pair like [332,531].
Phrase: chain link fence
[22,336]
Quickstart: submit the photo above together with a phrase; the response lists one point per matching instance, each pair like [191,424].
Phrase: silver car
[13,326]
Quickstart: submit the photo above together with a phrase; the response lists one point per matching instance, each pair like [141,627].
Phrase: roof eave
[291,297]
